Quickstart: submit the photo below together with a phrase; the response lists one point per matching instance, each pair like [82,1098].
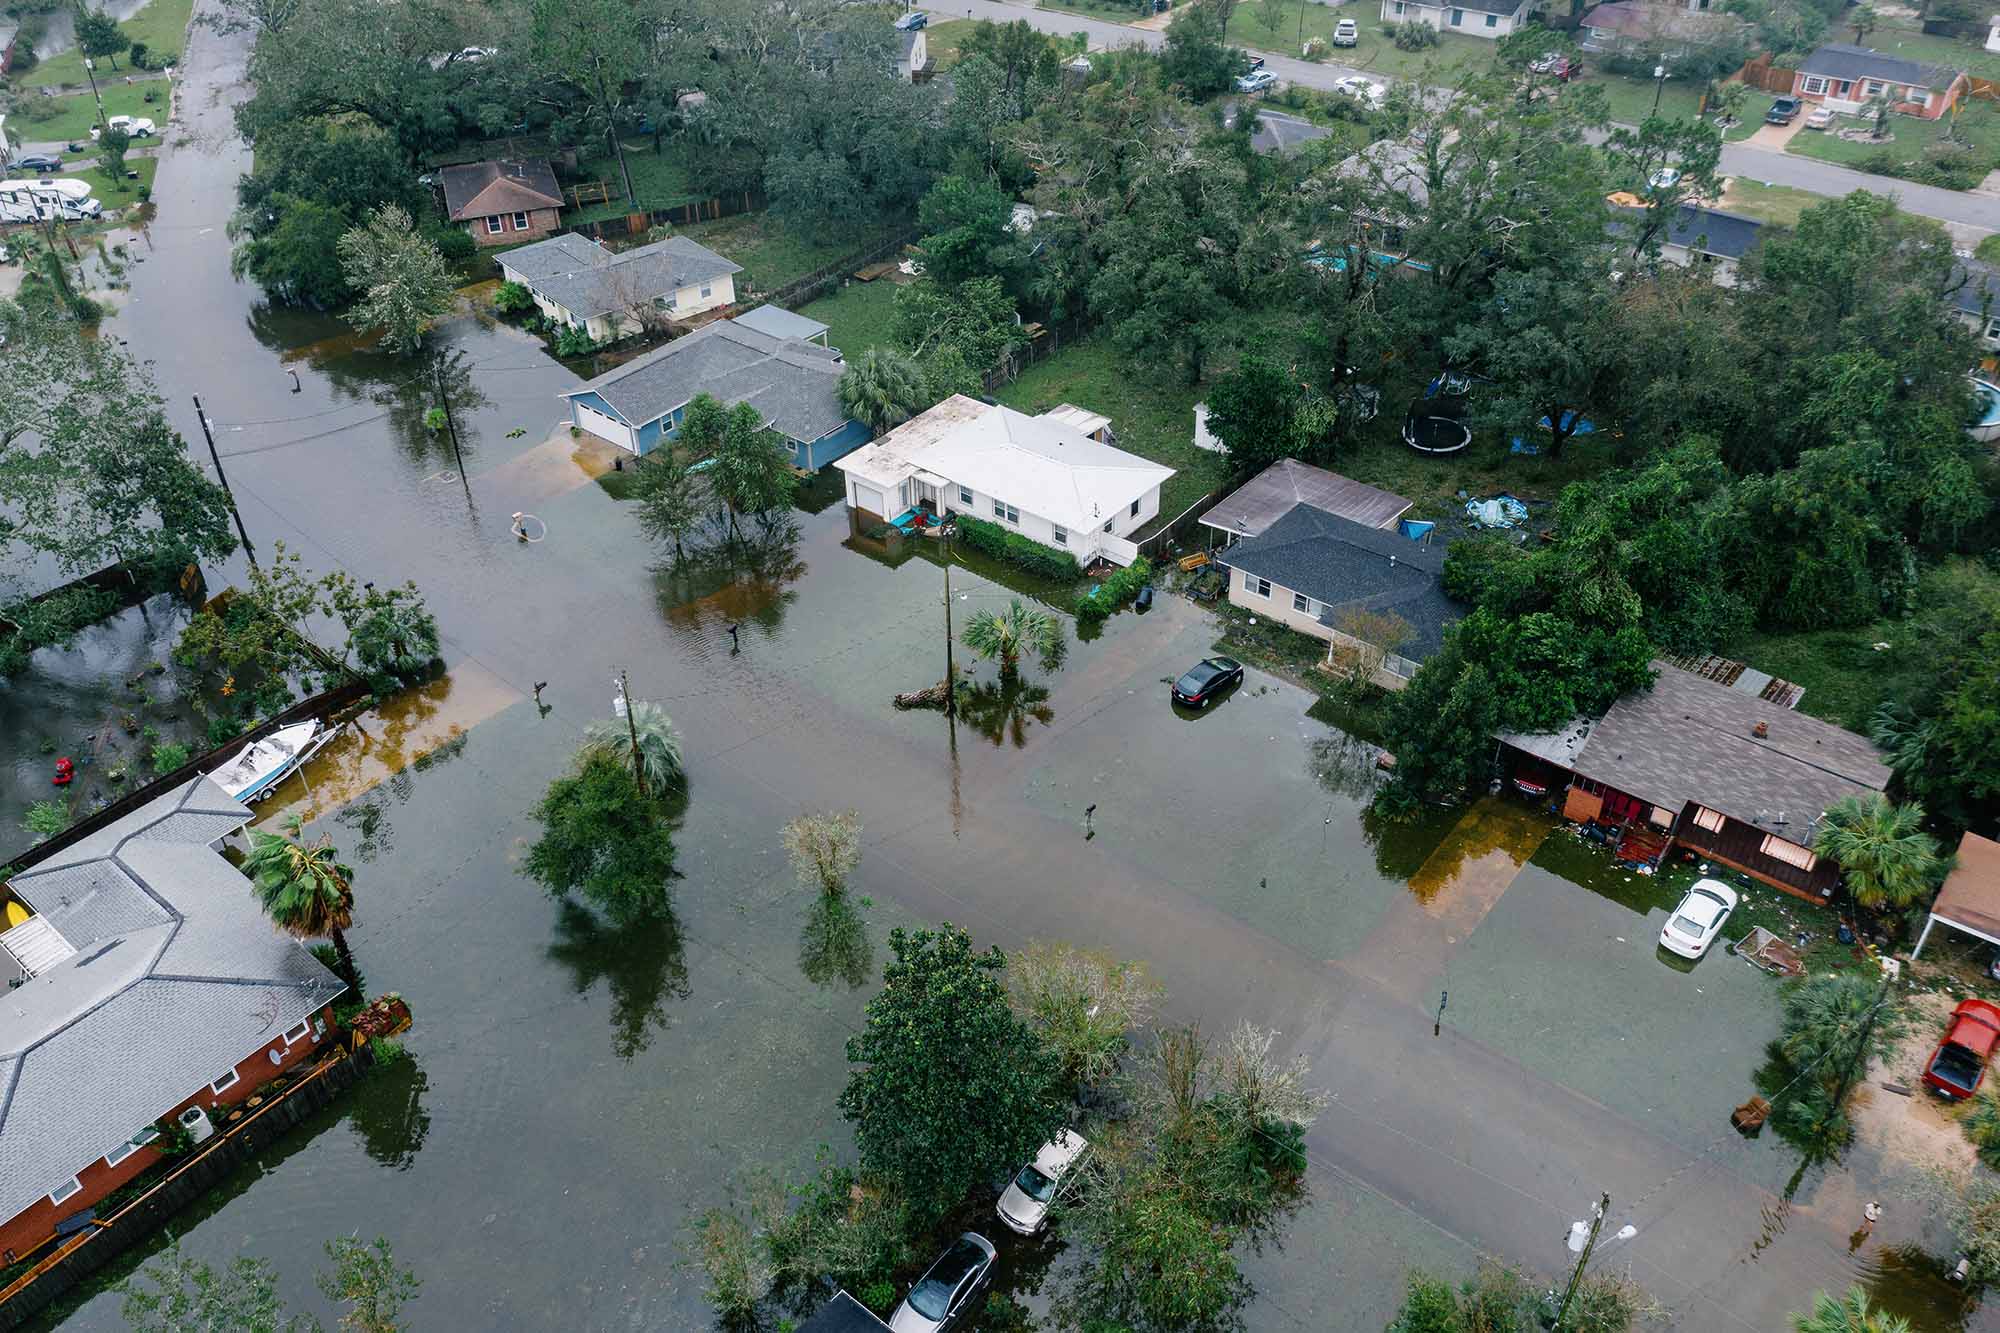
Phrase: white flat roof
[1040,464]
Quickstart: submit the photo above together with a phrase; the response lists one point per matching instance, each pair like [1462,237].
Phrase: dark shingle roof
[1980,283]
[1690,739]
[480,189]
[1344,564]
[1275,132]
[794,385]
[173,977]
[588,279]
[1843,60]
[1712,231]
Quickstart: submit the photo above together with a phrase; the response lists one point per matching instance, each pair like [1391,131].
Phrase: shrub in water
[1115,592]
[996,541]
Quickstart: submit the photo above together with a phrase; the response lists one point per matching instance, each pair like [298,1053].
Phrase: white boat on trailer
[258,768]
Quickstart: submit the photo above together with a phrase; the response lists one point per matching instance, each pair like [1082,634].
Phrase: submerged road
[1981,212]
[1470,1148]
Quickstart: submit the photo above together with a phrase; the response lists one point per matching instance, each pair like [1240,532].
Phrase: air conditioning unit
[195,1121]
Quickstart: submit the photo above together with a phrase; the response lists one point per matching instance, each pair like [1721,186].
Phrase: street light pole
[208,435]
[1659,85]
[90,68]
[1583,1260]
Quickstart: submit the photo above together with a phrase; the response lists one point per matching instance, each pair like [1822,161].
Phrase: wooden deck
[1739,847]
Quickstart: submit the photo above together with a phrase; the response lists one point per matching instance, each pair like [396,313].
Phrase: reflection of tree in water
[1001,710]
[387,1111]
[729,580]
[415,392]
[642,964]
[1343,765]
[368,818]
[834,944]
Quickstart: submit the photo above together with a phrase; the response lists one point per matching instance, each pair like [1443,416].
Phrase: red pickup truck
[1959,1062]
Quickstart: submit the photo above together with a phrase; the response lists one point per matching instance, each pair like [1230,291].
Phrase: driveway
[1773,138]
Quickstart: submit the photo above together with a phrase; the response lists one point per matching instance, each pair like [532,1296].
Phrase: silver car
[1024,1204]
[949,1292]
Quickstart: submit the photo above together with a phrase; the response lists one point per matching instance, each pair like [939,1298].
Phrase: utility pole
[950,670]
[1583,1261]
[222,477]
[90,68]
[632,726]
[444,401]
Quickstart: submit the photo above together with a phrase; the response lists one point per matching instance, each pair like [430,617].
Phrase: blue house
[791,382]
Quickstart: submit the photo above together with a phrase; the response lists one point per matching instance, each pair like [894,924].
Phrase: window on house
[1303,603]
[68,1190]
[495,225]
[1492,20]
[1871,87]
[663,302]
[964,495]
[293,1036]
[1399,6]
[1812,85]
[673,299]
[1706,818]
[1790,853]
[1993,329]
[1013,515]
[520,222]
[1457,17]
[1253,584]
[1660,817]
[226,1082]
[1107,525]
[131,1145]
[1135,509]
[1060,533]
[999,509]
[707,290]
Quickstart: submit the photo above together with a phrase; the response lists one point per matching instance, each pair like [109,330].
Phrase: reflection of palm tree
[1007,634]
[834,944]
[387,1110]
[642,964]
[659,743]
[1002,710]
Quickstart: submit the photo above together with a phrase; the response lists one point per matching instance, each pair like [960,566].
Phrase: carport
[1969,902]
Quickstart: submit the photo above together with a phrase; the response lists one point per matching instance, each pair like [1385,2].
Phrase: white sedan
[134,127]
[1663,180]
[1365,91]
[1024,1204]
[1696,923]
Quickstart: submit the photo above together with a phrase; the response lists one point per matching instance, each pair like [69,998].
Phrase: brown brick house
[500,203]
[139,983]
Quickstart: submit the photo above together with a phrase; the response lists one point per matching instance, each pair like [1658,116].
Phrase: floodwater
[577,1094]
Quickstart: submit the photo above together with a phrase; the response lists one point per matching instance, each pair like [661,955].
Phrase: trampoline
[1435,435]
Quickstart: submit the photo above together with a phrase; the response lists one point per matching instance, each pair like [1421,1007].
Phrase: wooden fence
[1761,73]
[74,1260]
[806,290]
[674,215]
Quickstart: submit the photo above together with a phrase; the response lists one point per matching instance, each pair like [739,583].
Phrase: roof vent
[1761,730]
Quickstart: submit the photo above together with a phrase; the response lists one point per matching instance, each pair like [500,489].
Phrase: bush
[168,757]
[136,56]
[1412,35]
[46,819]
[454,243]
[513,299]
[992,539]
[575,342]
[222,730]
[1981,1124]
[1115,592]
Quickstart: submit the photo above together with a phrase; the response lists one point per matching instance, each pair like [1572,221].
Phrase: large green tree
[596,47]
[753,471]
[1251,409]
[305,889]
[1885,857]
[882,388]
[964,223]
[949,1086]
[405,286]
[604,838]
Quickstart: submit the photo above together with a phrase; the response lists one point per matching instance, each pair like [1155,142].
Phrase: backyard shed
[1969,902]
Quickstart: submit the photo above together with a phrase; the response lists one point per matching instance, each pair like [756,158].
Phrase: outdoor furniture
[1760,948]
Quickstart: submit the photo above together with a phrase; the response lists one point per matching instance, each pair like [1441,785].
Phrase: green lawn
[1151,411]
[771,253]
[943,38]
[658,179]
[1979,123]
[856,316]
[1767,203]
[1912,44]
[161,25]
[1632,99]
[1116,11]
[1751,118]
[76,113]
[1299,22]
[107,190]
[1377,53]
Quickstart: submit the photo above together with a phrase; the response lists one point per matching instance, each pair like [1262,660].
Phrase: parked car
[913,20]
[1784,111]
[1256,81]
[1663,180]
[1346,33]
[1819,118]
[135,127]
[1695,924]
[1556,63]
[1959,1062]
[1256,62]
[1024,1204]
[1206,679]
[944,1295]
[1368,93]
[38,162]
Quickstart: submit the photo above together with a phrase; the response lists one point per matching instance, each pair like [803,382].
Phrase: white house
[1040,476]
[582,284]
[913,52]
[1492,19]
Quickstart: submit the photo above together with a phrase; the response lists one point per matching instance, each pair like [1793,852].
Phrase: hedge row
[996,541]
[1112,594]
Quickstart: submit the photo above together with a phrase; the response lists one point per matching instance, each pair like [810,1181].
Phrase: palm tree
[1007,634]
[305,890]
[882,388]
[1888,859]
[1847,1314]
[659,743]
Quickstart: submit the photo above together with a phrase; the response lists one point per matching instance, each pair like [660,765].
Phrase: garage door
[607,427]
[867,498]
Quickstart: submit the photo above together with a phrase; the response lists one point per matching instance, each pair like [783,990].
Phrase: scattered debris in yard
[1911,1130]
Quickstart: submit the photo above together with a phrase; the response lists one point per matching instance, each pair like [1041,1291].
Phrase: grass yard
[1115,11]
[942,40]
[771,254]
[1978,123]
[1631,99]
[1299,21]
[1152,413]
[108,192]
[658,179]
[76,113]
[857,316]
[1845,679]
[1378,54]
[1767,203]
[1913,44]
[161,25]
[1751,118]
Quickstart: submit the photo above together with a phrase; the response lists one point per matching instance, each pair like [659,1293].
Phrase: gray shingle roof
[1980,283]
[177,976]
[792,384]
[1275,132]
[1346,565]
[1715,232]
[1690,739]
[1269,496]
[1844,60]
[587,279]
[779,322]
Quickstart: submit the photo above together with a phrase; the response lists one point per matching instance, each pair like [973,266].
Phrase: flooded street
[575,1095]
